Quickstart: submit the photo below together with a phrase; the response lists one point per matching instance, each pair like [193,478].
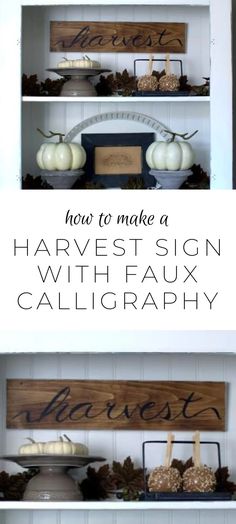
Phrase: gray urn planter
[170,179]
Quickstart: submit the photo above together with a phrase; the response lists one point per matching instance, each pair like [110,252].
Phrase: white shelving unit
[117,445]
[209,42]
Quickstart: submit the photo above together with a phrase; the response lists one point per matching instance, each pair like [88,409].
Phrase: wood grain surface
[106,404]
[118,37]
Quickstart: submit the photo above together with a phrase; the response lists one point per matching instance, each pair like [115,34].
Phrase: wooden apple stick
[197,453]
[168,64]
[169,446]
[150,65]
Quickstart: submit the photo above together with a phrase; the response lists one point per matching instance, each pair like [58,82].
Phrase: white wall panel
[19,517]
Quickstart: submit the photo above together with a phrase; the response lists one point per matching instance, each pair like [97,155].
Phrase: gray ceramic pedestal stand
[61,179]
[52,483]
[170,179]
[77,83]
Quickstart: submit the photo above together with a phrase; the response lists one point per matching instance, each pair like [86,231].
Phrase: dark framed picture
[118,159]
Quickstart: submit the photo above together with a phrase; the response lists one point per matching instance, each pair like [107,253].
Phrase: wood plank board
[118,37]
[107,404]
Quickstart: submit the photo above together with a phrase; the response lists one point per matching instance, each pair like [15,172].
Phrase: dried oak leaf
[12,487]
[97,484]
[222,482]
[30,85]
[183,84]
[158,74]
[105,86]
[182,466]
[51,87]
[123,82]
[30,182]
[203,89]
[134,182]
[128,478]
[198,180]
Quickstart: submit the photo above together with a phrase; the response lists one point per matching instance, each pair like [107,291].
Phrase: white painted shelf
[118,506]
[125,2]
[117,99]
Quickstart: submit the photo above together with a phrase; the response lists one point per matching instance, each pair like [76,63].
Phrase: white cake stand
[78,83]
[52,482]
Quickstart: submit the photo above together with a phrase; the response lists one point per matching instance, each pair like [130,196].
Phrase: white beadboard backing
[152,517]
[36,58]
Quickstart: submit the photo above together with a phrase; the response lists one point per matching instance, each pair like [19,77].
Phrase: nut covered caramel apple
[199,479]
[169,83]
[165,479]
[148,83]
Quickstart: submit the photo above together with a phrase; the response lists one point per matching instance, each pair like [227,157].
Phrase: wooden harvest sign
[118,37]
[107,404]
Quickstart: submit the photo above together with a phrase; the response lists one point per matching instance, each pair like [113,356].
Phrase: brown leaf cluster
[31,86]
[12,487]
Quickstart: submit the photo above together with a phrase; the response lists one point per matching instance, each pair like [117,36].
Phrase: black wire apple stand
[181,496]
[159,93]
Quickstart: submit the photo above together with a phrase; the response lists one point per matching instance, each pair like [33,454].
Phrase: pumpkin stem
[51,134]
[31,440]
[67,438]
[61,439]
[184,136]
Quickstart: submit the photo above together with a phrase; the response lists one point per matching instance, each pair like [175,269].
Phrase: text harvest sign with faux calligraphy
[123,37]
[108,404]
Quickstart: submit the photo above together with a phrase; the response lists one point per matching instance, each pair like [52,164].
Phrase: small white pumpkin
[62,156]
[57,447]
[63,447]
[32,448]
[82,63]
[65,63]
[171,156]
[86,63]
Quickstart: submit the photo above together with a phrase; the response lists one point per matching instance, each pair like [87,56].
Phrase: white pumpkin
[57,447]
[86,63]
[32,448]
[65,63]
[170,156]
[82,63]
[61,157]
[65,448]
